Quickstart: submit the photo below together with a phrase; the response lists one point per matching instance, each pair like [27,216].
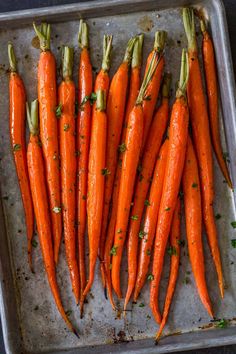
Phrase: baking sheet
[27,305]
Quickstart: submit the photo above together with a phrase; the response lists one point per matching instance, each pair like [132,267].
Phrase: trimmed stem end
[67,62]
[107,47]
[137,52]
[43,34]
[160,41]
[83,36]
[12,58]
[32,117]
[129,49]
[189,26]
[101,100]
[184,75]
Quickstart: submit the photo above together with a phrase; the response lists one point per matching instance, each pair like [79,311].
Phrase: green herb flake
[148,317]
[34,243]
[78,153]
[68,312]
[226,156]
[194,185]
[148,252]
[113,251]
[105,172]
[222,323]
[141,304]
[147,203]
[233,243]
[186,280]
[119,231]
[134,217]
[167,209]
[218,216]
[58,110]
[56,210]
[142,234]
[172,251]
[66,127]
[16,147]
[147,98]
[188,272]
[122,147]
[150,277]
[93,98]
[233,224]
[181,243]
[85,99]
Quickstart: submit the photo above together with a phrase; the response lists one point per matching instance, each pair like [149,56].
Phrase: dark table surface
[230,5]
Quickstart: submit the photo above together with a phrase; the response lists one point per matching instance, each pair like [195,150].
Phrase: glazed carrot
[47,95]
[85,81]
[213,100]
[133,141]
[178,133]
[202,141]
[153,89]
[150,153]
[115,113]
[17,100]
[66,95]
[96,181]
[97,170]
[149,225]
[174,265]
[193,217]
[133,93]
[41,206]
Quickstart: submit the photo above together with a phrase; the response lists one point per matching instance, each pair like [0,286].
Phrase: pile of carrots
[121,168]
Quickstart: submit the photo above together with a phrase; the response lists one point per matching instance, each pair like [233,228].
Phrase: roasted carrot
[97,170]
[178,133]
[133,93]
[150,219]
[213,99]
[174,265]
[202,141]
[41,205]
[47,95]
[115,113]
[151,149]
[96,180]
[66,94]
[133,141]
[17,100]
[85,81]
[193,217]
[150,100]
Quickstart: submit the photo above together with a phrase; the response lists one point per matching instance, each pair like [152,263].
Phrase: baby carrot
[85,81]
[150,99]
[41,207]
[17,100]
[202,141]
[178,133]
[133,141]
[213,100]
[193,217]
[150,219]
[115,113]
[151,149]
[97,170]
[133,93]
[48,112]
[174,265]
[66,94]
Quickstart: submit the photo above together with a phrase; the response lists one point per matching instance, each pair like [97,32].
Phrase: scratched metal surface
[40,326]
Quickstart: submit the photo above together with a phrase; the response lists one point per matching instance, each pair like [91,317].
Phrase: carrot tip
[76,333]
[105,293]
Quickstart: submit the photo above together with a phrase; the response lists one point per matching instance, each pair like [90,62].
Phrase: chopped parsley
[105,172]
[122,147]
[194,185]
[141,304]
[172,251]
[66,127]
[58,110]
[233,224]
[134,217]
[181,243]
[16,147]
[142,234]
[34,243]
[233,243]
[167,209]
[68,312]
[147,203]
[186,280]
[148,252]
[119,231]
[222,323]
[218,216]
[150,277]
[113,250]
[56,210]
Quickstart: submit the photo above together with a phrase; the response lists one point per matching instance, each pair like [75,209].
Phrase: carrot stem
[160,40]
[107,47]
[67,63]
[83,36]
[129,49]
[12,58]
[189,25]
[32,117]
[137,52]
[184,75]
[44,35]
[101,100]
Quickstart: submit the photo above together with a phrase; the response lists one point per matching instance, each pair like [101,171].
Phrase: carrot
[193,217]
[115,113]
[41,206]
[174,265]
[150,153]
[85,81]
[150,100]
[17,117]
[150,219]
[47,95]
[202,141]
[133,93]
[66,95]
[213,100]
[133,141]
[174,167]
[97,170]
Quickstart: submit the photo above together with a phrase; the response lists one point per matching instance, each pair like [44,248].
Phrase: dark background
[230,6]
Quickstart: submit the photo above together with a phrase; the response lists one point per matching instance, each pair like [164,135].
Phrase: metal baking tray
[31,322]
